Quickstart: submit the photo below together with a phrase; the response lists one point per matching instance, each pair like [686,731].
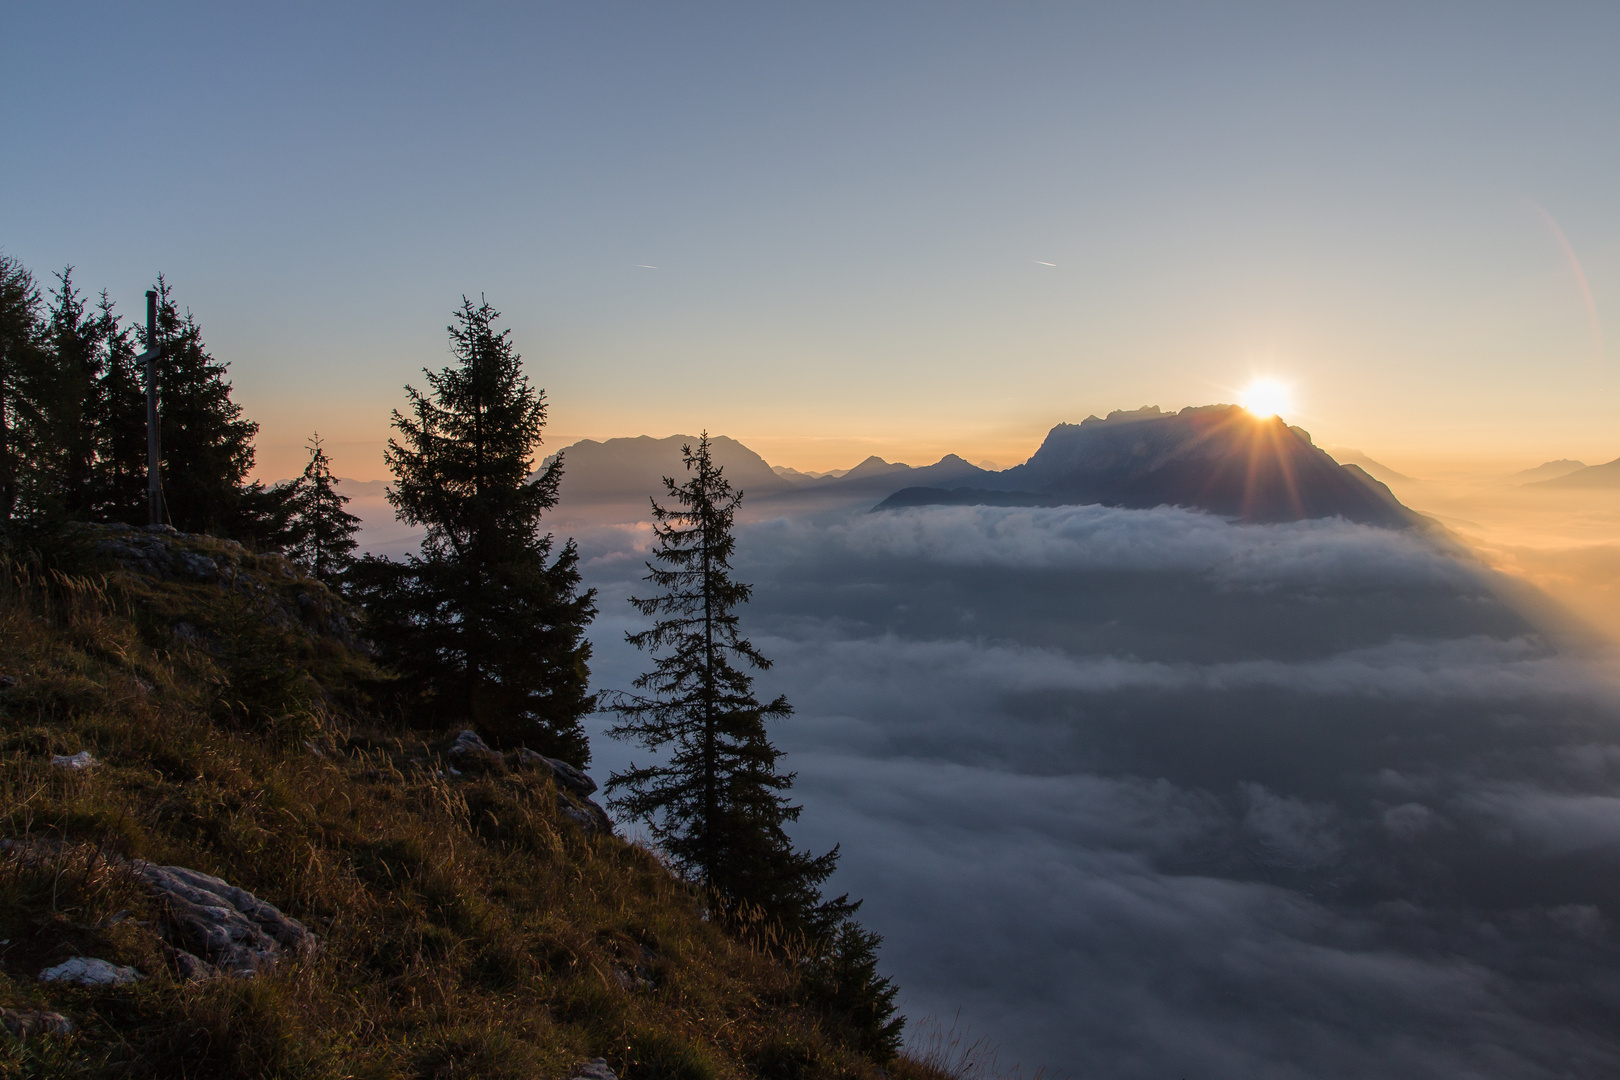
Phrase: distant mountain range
[1218,458]
[1606,475]
[1375,469]
[1547,470]
[631,469]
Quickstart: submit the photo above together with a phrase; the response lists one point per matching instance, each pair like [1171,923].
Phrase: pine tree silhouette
[487,626]
[717,804]
[320,533]
[207,444]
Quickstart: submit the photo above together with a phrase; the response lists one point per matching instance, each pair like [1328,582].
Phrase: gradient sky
[1410,215]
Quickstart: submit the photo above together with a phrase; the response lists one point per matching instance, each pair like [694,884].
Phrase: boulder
[566,775]
[211,926]
[88,971]
[225,928]
[25,1022]
[596,1069]
[469,753]
[586,814]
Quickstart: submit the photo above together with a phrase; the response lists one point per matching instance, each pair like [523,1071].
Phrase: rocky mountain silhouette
[629,470]
[1218,458]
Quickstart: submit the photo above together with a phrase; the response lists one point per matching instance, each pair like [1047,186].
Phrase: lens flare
[1266,398]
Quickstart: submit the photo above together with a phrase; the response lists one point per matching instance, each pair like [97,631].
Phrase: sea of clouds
[1149,794]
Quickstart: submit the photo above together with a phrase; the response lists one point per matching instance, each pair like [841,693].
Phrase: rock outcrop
[595,1069]
[566,775]
[283,592]
[211,926]
[88,971]
[468,753]
[217,927]
[25,1022]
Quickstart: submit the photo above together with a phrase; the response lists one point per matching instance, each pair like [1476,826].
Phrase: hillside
[182,720]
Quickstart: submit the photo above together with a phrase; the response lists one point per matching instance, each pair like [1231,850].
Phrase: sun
[1266,398]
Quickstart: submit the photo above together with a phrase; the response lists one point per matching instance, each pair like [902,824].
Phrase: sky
[841,229]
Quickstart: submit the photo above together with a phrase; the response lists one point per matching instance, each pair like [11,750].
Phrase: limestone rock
[88,971]
[192,968]
[25,1022]
[212,926]
[469,753]
[597,1069]
[566,775]
[281,594]
[585,813]
[229,928]
[197,565]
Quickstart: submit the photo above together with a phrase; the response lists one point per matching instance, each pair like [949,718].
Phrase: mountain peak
[1219,458]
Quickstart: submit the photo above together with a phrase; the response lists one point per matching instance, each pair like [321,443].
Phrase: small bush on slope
[467,927]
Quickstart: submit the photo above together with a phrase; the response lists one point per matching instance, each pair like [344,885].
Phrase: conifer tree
[716,805]
[320,532]
[67,406]
[485,624]
[19,347]
[207,445]
[120,424]
[842,980]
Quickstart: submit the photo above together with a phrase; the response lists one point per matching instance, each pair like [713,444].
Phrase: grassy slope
[467,928]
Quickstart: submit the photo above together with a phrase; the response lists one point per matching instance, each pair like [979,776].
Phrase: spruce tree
[716,805]
[485,624]
[119,481]
[207,445]
[320,533]
[20,345]
[68,406]
[842,980]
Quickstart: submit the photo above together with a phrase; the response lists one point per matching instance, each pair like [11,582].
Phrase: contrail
[1580,279]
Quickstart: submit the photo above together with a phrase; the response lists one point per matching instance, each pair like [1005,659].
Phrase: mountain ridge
[1218,458]
[1606,475]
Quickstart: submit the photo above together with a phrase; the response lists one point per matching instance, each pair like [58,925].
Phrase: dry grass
[935,1052]
[467,929]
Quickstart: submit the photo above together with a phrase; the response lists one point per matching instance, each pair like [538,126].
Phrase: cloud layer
[1148,794]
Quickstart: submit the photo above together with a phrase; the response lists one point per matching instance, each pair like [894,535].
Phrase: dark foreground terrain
[185,713]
